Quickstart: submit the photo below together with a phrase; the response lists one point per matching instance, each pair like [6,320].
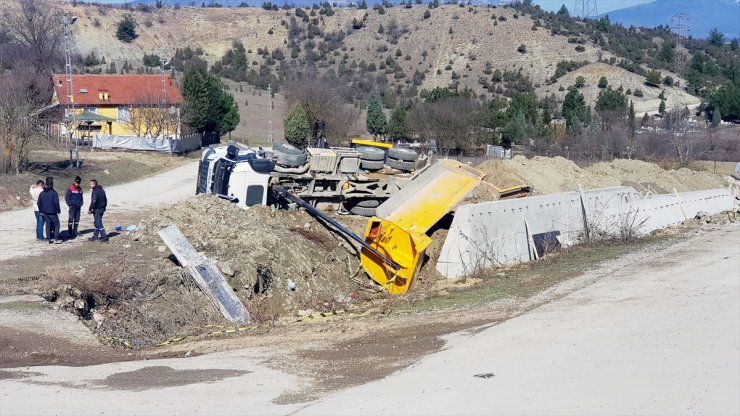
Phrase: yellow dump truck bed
[399,228]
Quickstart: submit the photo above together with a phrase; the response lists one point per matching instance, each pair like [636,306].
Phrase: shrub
[126,31]
[522,48]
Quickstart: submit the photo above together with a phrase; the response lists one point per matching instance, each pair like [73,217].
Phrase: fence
[177,146]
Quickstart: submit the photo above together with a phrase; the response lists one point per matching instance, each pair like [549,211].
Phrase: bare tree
[24,95]
[35,29]
[321,101]
[453,122]
[150,116]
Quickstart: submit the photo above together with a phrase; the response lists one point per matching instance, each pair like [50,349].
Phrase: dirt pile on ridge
[553,175]
[278,262]
[649,177]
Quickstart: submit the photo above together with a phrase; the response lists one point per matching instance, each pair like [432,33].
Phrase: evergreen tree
[126,31]
[397,125]
[111,68]
[296,127]
[645,120]
[574,107]
[375,122]
[209,107]
[603,83]
[631,119]
[716,117]
[661,107]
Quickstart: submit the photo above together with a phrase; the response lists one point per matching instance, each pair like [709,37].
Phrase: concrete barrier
[492,234]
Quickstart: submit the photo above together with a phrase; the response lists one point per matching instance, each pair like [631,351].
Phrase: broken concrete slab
[206,275]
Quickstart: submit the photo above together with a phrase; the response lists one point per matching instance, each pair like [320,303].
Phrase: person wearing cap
[74,200]
[35,190]
[98,204]
[48,204]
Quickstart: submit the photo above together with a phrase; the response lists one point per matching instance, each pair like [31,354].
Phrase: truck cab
[235,173]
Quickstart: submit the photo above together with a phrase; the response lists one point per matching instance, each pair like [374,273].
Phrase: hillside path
[17,227]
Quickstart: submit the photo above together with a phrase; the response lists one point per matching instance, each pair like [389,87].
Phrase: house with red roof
[121,105]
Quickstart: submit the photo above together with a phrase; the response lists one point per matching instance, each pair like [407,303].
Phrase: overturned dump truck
[336,179]
[405,206]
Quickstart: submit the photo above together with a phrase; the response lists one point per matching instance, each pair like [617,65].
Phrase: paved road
[17,228]
[655,338]
[658,338]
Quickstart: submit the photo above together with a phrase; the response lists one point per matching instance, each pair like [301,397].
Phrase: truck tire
[368,203]
[287,148]
[370,153]
[290,161]
[402,153]
[405,166]
[362,211]
[371,164]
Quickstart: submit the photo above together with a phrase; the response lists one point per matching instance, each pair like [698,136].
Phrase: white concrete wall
[492,234]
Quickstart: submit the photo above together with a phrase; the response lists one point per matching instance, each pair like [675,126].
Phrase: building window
[103,95]
[90,109]
[123,114]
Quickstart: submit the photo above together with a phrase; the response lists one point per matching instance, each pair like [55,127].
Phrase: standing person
[98,203]
[74,200]
[35,190]
[49,208]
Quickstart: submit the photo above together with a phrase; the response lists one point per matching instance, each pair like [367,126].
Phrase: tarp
[169,145]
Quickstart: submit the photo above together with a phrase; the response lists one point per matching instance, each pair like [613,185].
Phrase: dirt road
[655,337]
[17,235]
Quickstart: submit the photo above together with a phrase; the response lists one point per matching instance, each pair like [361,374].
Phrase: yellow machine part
[363,142]
[399,230]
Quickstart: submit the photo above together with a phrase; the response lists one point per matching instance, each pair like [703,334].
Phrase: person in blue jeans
[98,204]
[35,190]
[49,208]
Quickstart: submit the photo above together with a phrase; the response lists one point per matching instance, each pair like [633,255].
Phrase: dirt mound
[649,177]
[546,175]
[552,175]
[277,261]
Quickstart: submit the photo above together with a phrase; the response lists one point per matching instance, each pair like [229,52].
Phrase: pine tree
[631,119]
[375,122]
[126,30]
[111,68]
[661,107]
[716,117]
[397,125]
[296,127]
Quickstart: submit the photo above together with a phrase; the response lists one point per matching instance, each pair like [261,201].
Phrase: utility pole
[680,26]
[586,9]
[70,107]
[269,119]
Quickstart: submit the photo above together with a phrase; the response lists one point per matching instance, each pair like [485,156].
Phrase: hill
[703,16]
[400,50]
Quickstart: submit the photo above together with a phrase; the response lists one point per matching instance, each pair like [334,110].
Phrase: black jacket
[48,202]
[98,199]
[73,196]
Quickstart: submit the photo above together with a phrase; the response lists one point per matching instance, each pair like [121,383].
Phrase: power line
[586,9]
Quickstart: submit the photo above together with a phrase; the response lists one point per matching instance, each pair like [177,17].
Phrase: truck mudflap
[398,230]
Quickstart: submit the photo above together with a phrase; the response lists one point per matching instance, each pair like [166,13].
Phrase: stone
[80,304]
[161,249]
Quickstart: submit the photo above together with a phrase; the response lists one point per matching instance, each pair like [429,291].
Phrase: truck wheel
[402,153]
[401,165]
[362,211]
[370,153]
[371,164]
[290,161]
[287,148]
[367,203]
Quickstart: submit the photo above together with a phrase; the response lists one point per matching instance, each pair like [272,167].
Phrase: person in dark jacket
[98,203]
[74,200]
[48,204]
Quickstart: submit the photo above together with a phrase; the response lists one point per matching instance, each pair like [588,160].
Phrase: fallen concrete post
[206,275]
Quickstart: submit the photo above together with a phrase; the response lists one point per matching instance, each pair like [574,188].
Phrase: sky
[602,5]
